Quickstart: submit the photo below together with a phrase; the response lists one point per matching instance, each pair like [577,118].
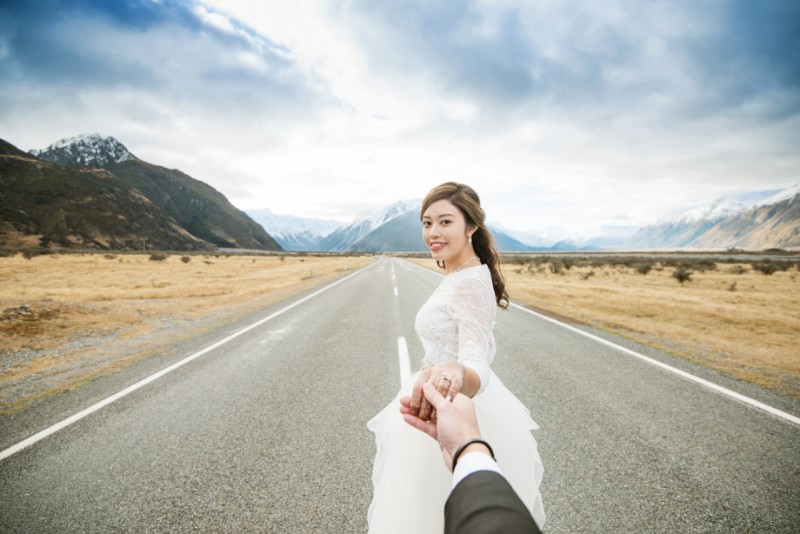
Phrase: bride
[411,483]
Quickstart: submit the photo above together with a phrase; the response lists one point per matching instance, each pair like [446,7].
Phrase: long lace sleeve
[473,309]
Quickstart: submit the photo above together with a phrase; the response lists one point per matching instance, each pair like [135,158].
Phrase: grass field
[727,316]
[69,318]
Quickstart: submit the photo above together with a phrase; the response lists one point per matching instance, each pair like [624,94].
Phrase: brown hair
[468,203]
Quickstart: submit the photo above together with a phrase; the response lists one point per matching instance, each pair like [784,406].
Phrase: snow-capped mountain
[394,228]
[195,206]
[397,228]
[603,237]
[344,237]
[86,151]
[292,232]
[537,239]
[694,228]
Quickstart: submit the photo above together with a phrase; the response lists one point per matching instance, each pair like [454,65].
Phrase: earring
[469,237]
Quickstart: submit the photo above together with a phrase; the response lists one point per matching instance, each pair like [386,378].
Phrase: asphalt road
[266,433]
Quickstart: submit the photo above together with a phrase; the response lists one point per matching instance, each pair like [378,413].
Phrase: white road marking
[405,365]
[719,389]
[138,385]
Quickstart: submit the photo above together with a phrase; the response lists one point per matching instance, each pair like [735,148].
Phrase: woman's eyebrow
[438,216]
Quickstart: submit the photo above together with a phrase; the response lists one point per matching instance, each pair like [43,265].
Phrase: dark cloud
[693,58]
[61,49]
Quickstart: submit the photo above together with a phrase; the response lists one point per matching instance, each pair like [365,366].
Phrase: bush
[186,259]
[682,274]
[158,257]
[644,268]
[769,267]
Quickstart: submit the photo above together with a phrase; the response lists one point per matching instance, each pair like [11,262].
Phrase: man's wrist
[477,447]
[471,443]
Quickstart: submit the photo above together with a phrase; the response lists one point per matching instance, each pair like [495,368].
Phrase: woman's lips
[437,245]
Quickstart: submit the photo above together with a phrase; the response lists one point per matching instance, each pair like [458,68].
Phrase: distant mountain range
[754,221]
[91,192]
[395,228]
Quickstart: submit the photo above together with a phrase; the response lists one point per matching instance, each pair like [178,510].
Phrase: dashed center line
[405,365]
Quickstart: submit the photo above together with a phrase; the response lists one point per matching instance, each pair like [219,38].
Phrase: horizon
[559,115]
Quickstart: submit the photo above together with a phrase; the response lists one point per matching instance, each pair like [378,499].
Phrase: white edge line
[130,389]
[405,365]
[719,389]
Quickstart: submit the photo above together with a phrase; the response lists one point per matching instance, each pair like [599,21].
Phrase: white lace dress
[411,482]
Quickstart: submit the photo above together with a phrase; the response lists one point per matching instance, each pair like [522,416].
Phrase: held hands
[456,421]
[447,378]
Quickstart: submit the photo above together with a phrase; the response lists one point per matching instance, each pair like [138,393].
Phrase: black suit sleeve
[485,502]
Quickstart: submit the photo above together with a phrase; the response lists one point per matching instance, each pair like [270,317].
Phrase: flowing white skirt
[411,482]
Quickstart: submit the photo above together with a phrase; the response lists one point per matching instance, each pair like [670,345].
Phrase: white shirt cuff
[471,462]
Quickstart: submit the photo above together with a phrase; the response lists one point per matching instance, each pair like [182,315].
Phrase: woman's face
[444,230]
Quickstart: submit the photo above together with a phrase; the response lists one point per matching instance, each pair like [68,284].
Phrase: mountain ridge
[90,191]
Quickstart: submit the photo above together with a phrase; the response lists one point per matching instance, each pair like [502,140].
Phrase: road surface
[266,432]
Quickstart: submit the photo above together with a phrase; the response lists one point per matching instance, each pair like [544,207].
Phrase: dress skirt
[409,477]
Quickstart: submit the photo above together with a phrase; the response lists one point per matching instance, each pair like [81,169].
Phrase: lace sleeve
[473,309]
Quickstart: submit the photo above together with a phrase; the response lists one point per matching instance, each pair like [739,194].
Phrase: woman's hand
[447,378]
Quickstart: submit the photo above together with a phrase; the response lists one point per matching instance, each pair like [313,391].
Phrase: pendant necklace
[465,263]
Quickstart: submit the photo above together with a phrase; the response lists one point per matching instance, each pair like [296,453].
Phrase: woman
[411,484]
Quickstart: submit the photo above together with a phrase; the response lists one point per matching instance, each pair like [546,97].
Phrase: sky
[575,115]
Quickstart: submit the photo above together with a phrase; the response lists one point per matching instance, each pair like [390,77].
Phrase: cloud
[177,56]
[558,112]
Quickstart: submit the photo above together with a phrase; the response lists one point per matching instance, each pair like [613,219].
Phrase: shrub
[738,269]
[769,267]
[682,274]
[110,256]
[186,259]
[644,268]
[158,257]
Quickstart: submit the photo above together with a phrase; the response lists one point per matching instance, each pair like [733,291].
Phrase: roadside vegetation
[736,315]
[67,318]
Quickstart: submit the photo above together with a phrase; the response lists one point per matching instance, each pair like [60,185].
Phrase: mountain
[294,233]
[772,225]
[604,237]
[45,204]
[345,237]
[756,220]
[200,209]
[396,228]
[92,151]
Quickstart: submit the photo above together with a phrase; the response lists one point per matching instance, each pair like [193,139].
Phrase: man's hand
[456,422]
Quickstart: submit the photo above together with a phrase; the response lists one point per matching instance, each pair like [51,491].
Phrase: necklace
[465,263]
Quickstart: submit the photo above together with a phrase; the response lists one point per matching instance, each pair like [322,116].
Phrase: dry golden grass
[91,300]
[732,319]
